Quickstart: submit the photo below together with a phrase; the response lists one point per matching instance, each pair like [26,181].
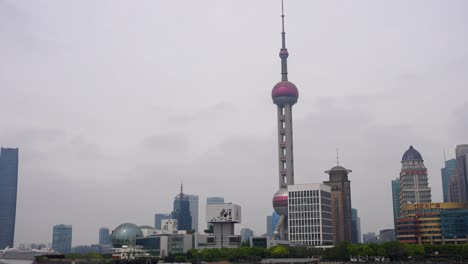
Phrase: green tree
[279,252]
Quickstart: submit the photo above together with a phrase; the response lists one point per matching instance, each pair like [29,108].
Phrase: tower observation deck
[284,95]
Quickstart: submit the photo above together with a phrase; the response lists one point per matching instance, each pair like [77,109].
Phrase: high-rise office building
[341,203]
[356,226]
[193,200]
[461,155]
[246,234]
[8,191]
[414,186]
[369,238]
[269,229]
[104,236]
[158,218]
[447,172]
[396,200]
[181,211]
[62,238]
[214,200]
[310,214]
[285,95]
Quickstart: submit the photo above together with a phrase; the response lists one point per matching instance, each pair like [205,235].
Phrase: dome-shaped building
[412,155]
[125,234]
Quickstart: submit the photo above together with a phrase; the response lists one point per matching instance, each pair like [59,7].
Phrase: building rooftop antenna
[337,158]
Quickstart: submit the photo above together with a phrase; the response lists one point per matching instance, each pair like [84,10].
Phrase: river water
[15,261]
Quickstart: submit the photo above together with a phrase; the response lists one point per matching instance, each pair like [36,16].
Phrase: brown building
[341,203]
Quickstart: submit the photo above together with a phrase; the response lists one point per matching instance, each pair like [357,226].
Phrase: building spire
[337,158]
[283,52]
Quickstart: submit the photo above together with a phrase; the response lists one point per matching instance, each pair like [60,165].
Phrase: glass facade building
[104,236]
[181,212]
[62,239]
[356,226]
[193,201]
[8,192]
[454,224]
[447,172]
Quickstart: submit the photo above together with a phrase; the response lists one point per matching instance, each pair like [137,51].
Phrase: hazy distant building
[341,203]
[246,234]
[414,186]
[158,218]
[62,238]
[104,236]
[269,231]
[181,211]
[356,226]
[193,200]
[310,214]
[447,172]
[369,238]
[396,200]
[8,190]
[386,235]
[214,200]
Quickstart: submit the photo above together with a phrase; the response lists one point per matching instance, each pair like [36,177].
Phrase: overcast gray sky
[114,103]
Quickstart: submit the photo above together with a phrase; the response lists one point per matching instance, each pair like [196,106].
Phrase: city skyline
[100,106]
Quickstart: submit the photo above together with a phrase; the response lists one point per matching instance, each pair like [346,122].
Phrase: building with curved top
[340,203]
[414,186]
[125,234]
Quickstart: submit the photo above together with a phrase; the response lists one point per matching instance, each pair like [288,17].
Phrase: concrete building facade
[223,217]
[341,203]
[310,214]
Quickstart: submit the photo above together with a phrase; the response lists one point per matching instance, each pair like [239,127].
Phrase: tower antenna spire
[337,158]
[284,52]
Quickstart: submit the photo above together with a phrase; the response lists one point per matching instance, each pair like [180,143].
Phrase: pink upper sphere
[286,89]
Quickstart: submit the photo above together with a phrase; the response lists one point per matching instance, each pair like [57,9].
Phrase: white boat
[15,253]
[129,252]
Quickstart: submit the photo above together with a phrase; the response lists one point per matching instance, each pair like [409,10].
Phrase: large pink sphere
[285,89]
[280,202]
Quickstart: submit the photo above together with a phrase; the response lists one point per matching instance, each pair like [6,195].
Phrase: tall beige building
[340,203]
[414,186]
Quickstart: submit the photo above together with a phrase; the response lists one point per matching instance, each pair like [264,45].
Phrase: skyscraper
[181,211]
[447,172]
[62,238]
[158,218]
[269,229]
[461,154]
[104,236]
[193,200]
[284,95]
[8,191]
[396,200]
[341,203]
[414,186]
[356,226]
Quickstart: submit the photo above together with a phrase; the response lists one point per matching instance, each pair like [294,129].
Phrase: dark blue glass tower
[8,190]
[182,211]
[447,172]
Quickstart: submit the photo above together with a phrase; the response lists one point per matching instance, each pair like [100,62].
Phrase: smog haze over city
[113,104]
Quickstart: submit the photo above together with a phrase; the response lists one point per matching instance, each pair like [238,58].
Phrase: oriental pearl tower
[284,95]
